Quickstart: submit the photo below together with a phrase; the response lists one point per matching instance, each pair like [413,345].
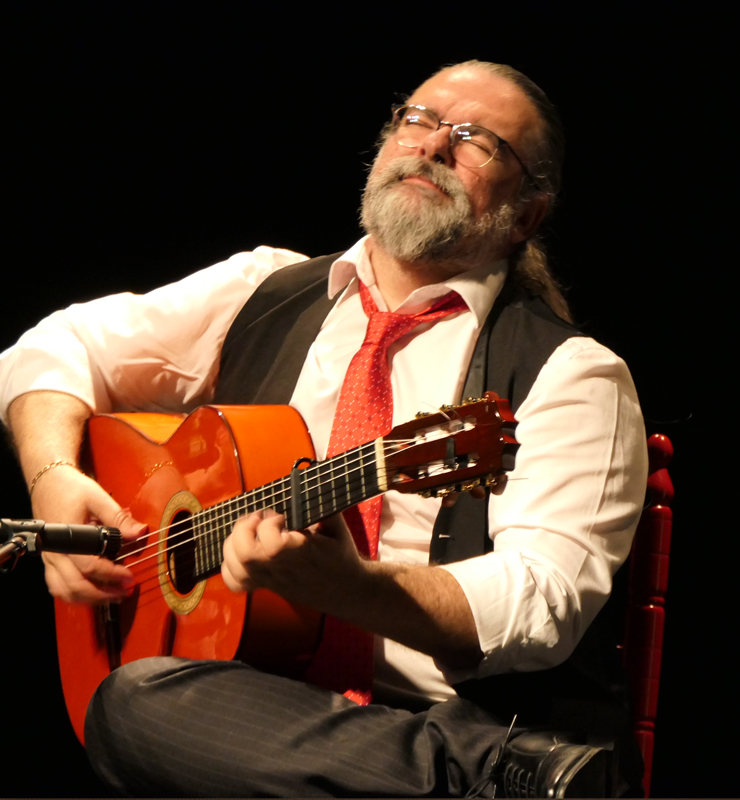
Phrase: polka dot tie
[344,661]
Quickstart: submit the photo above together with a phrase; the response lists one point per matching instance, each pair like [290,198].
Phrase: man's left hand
[422,607]
[310,567]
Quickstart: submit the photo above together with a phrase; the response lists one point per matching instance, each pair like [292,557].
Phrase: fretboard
[306,496]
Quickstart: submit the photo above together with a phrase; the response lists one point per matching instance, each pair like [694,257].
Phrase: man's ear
[529,217]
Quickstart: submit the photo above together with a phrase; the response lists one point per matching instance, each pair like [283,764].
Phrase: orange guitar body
[164,468]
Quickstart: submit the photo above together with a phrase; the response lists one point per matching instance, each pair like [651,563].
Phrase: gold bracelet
[53,464]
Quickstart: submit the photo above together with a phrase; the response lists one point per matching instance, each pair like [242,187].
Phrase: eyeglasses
[471,145]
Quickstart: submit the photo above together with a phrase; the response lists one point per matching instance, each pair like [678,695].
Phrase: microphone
[57,537]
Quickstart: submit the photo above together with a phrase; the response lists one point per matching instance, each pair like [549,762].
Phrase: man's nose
[436,147]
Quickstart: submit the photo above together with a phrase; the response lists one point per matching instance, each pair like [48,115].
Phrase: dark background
[144,144]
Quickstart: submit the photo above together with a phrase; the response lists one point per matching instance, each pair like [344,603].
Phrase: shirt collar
[478,287]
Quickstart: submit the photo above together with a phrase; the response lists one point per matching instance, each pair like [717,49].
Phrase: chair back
[648,579]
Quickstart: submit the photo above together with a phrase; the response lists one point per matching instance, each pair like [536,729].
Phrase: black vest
[262,358]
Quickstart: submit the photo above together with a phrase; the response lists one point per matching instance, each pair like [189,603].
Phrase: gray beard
[441,230]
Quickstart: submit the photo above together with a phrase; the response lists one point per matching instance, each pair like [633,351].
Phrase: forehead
[473,95]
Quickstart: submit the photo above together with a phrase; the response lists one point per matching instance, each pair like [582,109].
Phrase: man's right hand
[48,427]
[65,495]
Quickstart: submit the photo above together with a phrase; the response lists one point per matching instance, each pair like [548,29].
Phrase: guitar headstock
[454,449]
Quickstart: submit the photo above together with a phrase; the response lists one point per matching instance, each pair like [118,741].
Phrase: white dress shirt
[564,522]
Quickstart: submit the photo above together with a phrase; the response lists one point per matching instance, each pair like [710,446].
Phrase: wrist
[47,468]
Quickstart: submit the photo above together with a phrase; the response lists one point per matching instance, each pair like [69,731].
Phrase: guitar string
[155,569]
[388,444]
[278,492]
[231,506]
[281,485]
[155,574]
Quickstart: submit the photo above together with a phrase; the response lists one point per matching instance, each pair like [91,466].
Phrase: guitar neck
[305,497]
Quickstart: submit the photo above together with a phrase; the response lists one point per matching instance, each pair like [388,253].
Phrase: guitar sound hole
[181,553]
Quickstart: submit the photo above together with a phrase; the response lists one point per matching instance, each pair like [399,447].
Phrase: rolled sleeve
[564,522]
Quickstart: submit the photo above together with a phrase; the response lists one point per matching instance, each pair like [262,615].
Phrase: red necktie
[344,661]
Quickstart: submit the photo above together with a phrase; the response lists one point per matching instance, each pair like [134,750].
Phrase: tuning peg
[420,414]
[473,399]
[491,481]
[446,407]
[466,487]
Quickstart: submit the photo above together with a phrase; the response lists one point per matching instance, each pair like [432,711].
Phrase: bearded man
[476,610]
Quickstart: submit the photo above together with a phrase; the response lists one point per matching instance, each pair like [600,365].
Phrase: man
[462,181]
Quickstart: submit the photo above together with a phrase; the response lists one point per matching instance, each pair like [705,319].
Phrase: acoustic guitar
[190,478]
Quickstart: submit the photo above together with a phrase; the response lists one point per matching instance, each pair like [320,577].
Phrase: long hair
[544,155]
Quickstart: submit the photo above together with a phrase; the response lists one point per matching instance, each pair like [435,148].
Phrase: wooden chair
[546,765]
[648,579]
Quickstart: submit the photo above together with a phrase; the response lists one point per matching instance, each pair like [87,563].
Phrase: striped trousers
[171,727]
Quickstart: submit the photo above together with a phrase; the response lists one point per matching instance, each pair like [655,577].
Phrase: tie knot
[385,327]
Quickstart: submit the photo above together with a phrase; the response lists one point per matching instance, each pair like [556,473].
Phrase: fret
[371,470]
[267,496]
[348,477]
[215,536]
[381,475]
[355,478]
[319,494]
[208,544]
[221,526]
[246,505]
[361,465]
[258,499]
[281,495]
[344,472]
[327,492]
[216,523]
[235,511]
[295,519]
[313,505]
[202,543]
[196,536]
[309,497]
[332,484]
[200,532]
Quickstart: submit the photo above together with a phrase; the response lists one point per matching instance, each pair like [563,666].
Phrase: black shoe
[548,765]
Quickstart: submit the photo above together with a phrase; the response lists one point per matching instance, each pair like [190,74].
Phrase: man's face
[421,203]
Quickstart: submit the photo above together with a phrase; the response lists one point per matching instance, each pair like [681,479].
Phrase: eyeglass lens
[471,146]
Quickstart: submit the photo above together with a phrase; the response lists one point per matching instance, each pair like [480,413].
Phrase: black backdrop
[144,144]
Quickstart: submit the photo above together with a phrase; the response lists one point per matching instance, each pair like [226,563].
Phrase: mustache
[414,167]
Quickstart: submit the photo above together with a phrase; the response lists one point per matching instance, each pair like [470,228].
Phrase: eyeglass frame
[396,107]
